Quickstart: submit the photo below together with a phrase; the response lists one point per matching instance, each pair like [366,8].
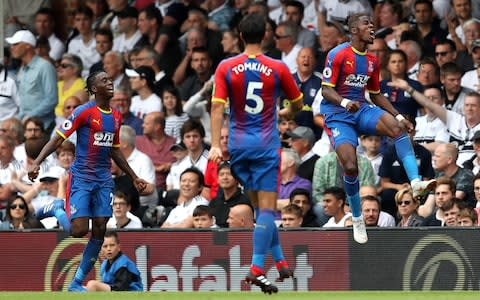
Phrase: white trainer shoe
[359,230]
[421,188]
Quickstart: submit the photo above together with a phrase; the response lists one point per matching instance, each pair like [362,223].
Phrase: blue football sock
[90,255]
[63,219]
[405,153]
[352,188]
[276,248]
[262,236]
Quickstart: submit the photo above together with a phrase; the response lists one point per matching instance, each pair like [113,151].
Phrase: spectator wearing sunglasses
[18,216]
[70,83]
[407,209]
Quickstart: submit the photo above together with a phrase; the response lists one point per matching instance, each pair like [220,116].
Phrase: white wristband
[399,118]
[345,102]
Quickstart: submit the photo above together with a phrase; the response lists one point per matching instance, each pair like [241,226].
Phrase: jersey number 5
[251,96]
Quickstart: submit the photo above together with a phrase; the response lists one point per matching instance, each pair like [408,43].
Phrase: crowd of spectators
[161,56]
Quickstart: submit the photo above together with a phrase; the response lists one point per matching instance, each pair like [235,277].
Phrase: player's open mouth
[372,33]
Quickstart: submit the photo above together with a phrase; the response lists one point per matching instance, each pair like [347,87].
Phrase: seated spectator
[444,160]
[430,210]
[476,190]
[467,217]
[191,184]
[292,216]
[371,208]
[473,164]
[328,172]
[140,163]
[122,101]
[122,218]
[407,209]
[450,211]
[385,219]
[203,217]
[8,165]
[211,173]
[70,81]
[289,178]
[157,145]
[303,199]
[65,155]
[230,195]
[302,140]
[197,106]
[241,216]
[19,216]
[192,134]
[334,199]
[430,131]
[141,81]
[129,34]
[471,79]
[400,100]
[117,271]
[173,110]
[372,145]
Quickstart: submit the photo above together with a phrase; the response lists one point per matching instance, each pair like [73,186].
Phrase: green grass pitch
[374,295]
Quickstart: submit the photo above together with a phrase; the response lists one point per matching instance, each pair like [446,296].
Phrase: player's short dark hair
[352,20]
[202,210]
[105,32]
[191,125]
[297,4]
[201,181]
[112,234]
[33,146]
[252,28]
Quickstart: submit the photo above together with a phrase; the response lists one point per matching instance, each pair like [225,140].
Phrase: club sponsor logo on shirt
[103,139]
[252,66]
[358,80]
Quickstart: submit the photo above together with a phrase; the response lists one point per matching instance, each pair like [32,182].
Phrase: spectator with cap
[230,195]
[157,145]
[36,79]
[141,81]
[179,152]
[471,79]
[473,164]
[302,140]
[129,34]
